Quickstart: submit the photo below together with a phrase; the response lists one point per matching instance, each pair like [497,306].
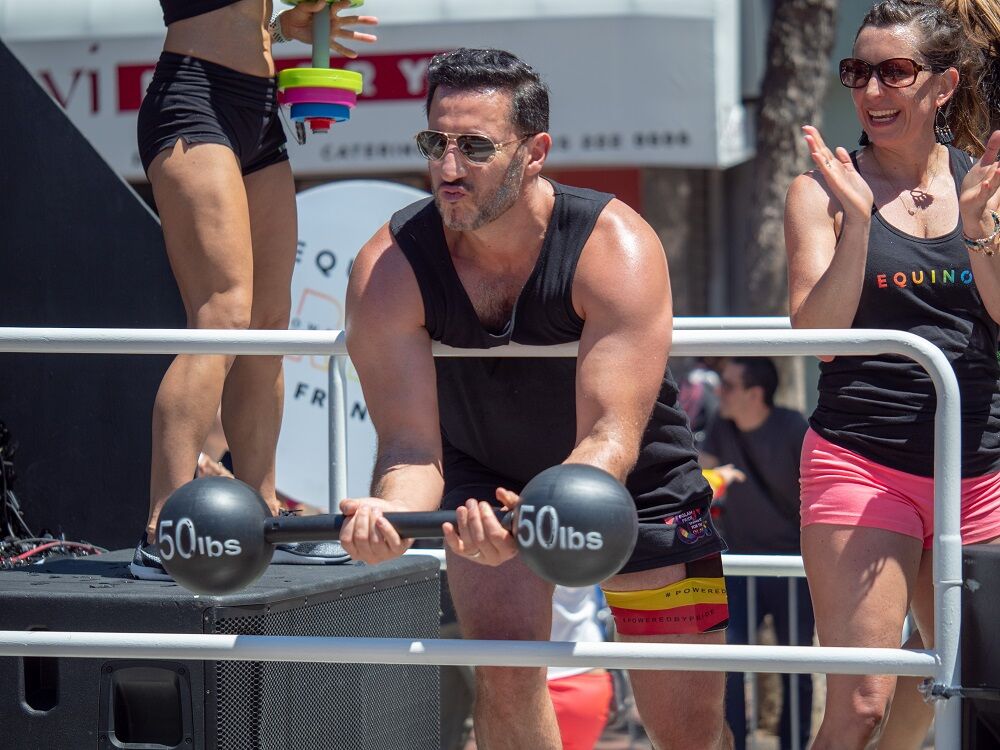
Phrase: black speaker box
[69,704]
[981,647]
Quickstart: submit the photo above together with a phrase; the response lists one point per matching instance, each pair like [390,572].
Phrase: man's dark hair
[759,371]
[494,70]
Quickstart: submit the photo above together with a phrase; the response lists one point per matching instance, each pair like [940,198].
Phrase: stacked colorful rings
[319,96]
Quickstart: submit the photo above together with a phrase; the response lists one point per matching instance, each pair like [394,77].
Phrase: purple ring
[317,95]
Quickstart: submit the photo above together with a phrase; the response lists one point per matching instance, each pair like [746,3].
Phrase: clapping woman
[900,234]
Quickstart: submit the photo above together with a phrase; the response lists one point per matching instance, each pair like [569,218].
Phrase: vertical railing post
[947,550]
[337,430]
[750,678]
[793,679]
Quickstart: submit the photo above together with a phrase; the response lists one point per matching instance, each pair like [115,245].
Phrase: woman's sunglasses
[896,73]
[478,149]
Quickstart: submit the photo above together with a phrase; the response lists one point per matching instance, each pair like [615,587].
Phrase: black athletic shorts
[204,102]
[676,538]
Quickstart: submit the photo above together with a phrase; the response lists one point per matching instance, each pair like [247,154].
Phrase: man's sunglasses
[478,149]
[896,73]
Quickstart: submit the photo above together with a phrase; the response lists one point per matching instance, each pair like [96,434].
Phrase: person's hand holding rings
[296,23]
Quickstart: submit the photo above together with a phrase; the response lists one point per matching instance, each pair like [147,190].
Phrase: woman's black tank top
[512,417]
[178,10]
[883,407]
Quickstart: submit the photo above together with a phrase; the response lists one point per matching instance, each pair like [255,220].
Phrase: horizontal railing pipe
[685,343]
[704,658]
[773,566]
[722,323]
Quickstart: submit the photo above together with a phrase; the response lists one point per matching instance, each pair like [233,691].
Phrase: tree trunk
[799,43]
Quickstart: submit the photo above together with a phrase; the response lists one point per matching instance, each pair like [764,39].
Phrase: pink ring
[317,95]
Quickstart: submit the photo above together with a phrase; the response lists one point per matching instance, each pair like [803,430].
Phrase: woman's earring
[863,140]
[942,131]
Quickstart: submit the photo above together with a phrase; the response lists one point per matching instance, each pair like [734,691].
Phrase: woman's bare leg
[254,393]
[206,226]
[911,716]
[861,580]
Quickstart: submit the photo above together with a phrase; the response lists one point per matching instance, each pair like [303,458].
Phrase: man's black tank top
[178,10]
[883,407]
[509,418]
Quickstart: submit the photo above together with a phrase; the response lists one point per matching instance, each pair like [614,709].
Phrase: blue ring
[335,112]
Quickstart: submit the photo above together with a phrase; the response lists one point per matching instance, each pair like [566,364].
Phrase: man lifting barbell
[503,255]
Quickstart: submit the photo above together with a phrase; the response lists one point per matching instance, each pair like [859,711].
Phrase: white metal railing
[774,566]
[750,567]
[941,663]
[181,646]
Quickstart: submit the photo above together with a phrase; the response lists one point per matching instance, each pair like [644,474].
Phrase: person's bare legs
[513,708]
[861,580]
[910,716]
[254,392]
[206,227]
[679,710]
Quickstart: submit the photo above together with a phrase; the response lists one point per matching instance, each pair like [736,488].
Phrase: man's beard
[495,205]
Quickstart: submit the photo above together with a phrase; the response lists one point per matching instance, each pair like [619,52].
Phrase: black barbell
[576,525]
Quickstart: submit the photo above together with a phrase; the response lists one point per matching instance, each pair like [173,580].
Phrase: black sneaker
[146,563]
[310,553]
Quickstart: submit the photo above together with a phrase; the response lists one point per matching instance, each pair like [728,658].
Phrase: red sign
[391,77]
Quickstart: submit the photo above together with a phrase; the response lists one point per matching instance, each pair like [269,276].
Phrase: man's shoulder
[581,193]
[411,218]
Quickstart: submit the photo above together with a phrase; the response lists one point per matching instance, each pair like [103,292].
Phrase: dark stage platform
[75,703]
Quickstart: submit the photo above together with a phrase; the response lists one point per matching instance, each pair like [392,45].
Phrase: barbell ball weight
[576,524]
[211,535]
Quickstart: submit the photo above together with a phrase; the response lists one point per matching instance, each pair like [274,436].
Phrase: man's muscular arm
[622,291]
[391,351]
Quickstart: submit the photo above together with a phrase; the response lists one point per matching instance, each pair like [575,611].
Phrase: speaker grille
[295,706]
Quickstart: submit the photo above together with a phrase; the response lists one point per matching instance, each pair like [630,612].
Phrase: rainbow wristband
[984,245]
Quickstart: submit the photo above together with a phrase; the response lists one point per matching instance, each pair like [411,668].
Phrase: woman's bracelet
[984,245]
[274,27]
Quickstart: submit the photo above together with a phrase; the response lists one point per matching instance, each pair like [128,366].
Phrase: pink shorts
[840,487]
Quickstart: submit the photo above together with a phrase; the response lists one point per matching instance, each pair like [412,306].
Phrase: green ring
[330,78]
[354,3]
